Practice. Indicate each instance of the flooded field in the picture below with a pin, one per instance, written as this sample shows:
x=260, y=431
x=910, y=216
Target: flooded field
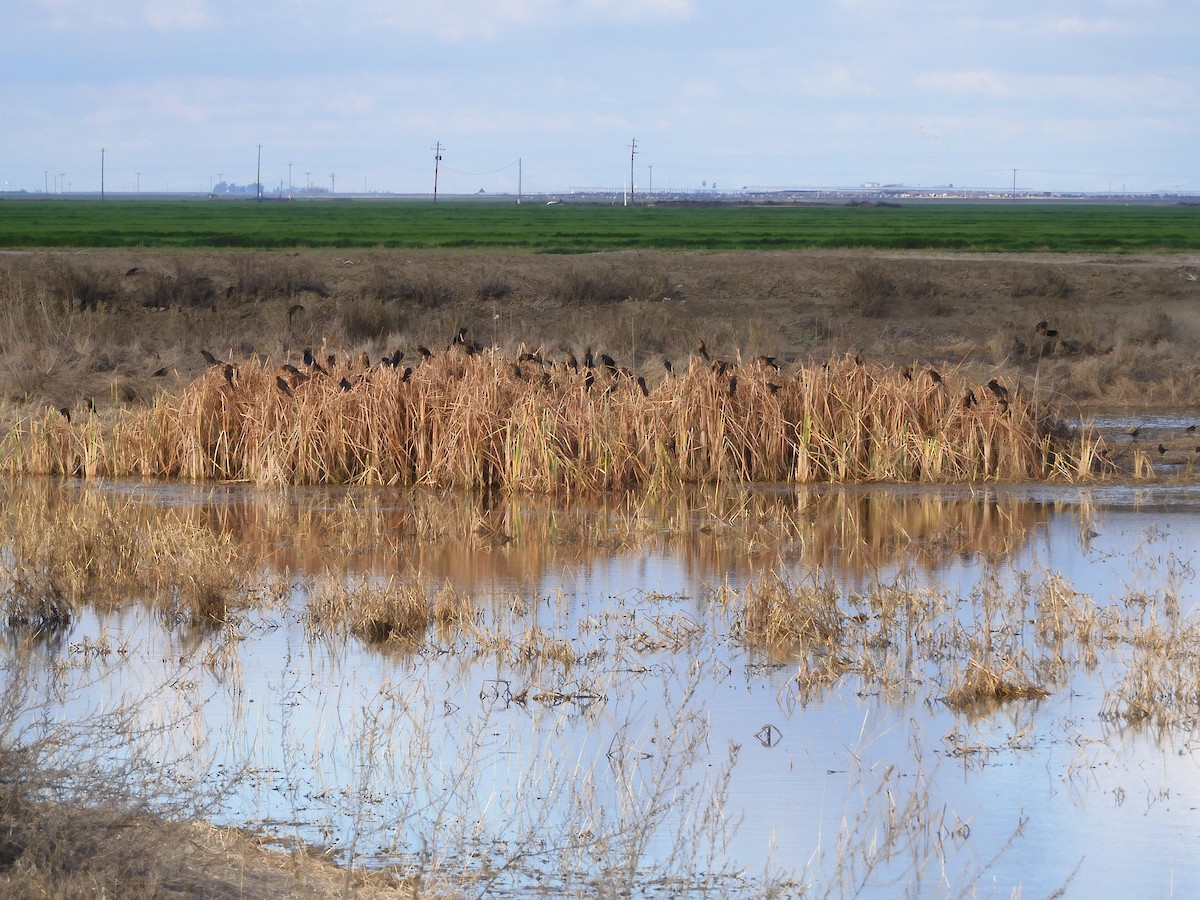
x=877, y=690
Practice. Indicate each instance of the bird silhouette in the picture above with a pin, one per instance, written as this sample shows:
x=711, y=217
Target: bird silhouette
x=999, y=391
x=209, y=358
x=230, y=372
x=281, y=383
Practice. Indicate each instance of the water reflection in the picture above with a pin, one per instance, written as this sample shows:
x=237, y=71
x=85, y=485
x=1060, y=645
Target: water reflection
x=480, y=541
x=599, y=714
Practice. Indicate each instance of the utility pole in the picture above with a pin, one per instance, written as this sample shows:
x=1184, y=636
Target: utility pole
x=650, y=190
x=308, y=184
x=437, y=159
x=101, y=173
x=332, y=183
x=289, y=181
x=139, y=186
x=632, y=153
x=518, y=181
x=258, y=176
x=1014, y=190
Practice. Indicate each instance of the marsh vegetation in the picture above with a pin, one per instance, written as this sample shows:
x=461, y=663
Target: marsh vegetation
x=788, y=616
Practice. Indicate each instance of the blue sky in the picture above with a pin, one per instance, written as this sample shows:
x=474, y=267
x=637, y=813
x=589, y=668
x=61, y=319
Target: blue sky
x=1093, y=96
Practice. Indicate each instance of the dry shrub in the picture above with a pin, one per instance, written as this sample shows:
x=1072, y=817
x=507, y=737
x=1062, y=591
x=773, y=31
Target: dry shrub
x=1046, y=282
x=580, y=286
x=261, y=276
x=427, y=291
x=870, y=291
x=366, y=319
x=80, y=287
x=494, y=289
x=1154, y=327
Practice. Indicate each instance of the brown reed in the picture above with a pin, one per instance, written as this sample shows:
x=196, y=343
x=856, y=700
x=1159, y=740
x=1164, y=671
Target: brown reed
x=484, y=420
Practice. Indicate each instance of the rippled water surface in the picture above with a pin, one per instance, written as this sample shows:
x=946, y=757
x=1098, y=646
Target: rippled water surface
x=606, y=714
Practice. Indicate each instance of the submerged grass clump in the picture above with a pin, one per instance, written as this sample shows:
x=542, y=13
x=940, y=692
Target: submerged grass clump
x=485, y=420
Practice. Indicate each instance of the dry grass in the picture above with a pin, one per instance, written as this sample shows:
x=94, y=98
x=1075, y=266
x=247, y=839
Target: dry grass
x=487, y=420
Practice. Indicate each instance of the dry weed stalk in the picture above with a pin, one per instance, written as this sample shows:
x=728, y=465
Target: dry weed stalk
x=484, y=420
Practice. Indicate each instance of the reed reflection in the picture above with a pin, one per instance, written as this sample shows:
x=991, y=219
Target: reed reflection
x=482, y=543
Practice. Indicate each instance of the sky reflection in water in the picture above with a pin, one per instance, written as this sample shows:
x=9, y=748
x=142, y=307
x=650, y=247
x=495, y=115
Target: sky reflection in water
x=364, y=749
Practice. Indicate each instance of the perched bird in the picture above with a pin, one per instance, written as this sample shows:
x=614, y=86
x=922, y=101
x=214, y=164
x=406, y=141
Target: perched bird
x=1191, y=429
x=66, y=413
x=732, y=385
x=281, y=383
x=1133, y=431
x=609, y=363
x=309, y=359
x=292, y=370
x=906, y=373
x=159, y=373
x=668, y=368
x=767, y=362
x=934, y=375
x=407, y=374
x=209, y=358
x=860, y=358
x=999, y=391
x=968, y=399
x=589, y=361
x=346, y=384
x=641, y=383
x=129, y=273
x=572, y=363
x=1161, y=449
x=365, y=360
x=230, y=372
x=423, y=352
x=702, y=351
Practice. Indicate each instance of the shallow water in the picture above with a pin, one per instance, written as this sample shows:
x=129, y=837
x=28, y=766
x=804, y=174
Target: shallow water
x=616, y=727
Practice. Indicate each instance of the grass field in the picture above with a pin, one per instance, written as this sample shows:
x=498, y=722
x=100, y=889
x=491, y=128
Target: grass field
x=1022, y=227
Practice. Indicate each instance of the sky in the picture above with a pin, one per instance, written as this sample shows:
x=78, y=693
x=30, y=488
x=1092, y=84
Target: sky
x=549, y=95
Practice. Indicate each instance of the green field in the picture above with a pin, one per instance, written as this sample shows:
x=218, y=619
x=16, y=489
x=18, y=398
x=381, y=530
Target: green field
x=996, y=226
